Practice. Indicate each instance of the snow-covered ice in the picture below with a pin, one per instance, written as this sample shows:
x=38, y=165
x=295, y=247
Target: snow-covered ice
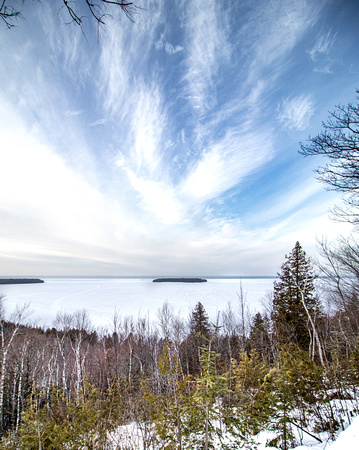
x=130, y=297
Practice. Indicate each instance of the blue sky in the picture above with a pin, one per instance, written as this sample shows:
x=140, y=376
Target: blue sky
x=169, y=146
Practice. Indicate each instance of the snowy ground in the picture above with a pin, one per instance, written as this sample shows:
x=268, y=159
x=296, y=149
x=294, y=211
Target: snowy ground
x=346, y=440
x=131, y=437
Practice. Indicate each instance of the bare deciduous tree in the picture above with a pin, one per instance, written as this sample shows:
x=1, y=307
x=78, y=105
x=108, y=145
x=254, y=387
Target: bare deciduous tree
x=315, y=335
x=339, y=143
x=339, y=266
x=8, y=331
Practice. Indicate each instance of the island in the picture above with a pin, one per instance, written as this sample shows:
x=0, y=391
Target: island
x=180, y=280
x=20, y=280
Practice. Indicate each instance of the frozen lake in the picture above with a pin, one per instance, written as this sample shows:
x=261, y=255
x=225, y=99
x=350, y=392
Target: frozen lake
x=129, y=296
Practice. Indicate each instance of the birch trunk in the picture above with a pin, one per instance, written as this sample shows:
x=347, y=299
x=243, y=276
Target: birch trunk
x=5, y=347
x=311, y=321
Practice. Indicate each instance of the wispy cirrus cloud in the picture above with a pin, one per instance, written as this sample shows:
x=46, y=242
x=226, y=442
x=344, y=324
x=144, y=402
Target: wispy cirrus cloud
x=271, y=32
x=122, y=59
x=207, y=48
x=169, y=48
x=159, y=199
x=323, y=45
x=321, y=51
x=148, y=123
x=225, y=164
x=296, y=112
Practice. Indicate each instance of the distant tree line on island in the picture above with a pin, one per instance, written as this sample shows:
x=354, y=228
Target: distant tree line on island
x=180, y=280
x=20, y=280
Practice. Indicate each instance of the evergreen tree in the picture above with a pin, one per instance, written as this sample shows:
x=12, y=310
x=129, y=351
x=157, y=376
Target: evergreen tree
x=83, y=422
x=213, y=423
x=199, y=324
x=168, y=408
x=200, y=333
x=253, y=393
x=298, y=398
x=205, y=413
x=259, y=336
x=295, y=307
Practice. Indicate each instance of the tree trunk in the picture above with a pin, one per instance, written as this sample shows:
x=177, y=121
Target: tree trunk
x=5, y=349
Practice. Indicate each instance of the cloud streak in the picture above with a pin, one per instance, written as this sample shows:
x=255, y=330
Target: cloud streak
x=296, y=112
x=208, y=49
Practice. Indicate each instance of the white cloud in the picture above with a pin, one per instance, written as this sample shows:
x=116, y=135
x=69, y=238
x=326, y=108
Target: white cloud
x=225, y=164
x=122, y=58
x=282, y=204
x=271, y=31
x=296, y=112
x=148, y=122
x=50, y=211
x=171, y=50
x=115, y=71
x=322, y=46
x=98, y=122
x=41, y=187
x=159, y=199
x=207, y=48
x=74, y=113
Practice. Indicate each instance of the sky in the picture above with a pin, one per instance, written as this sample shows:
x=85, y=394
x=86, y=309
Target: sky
x=168, y=145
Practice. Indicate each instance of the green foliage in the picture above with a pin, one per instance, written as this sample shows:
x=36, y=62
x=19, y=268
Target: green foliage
x=168, y=408
x=80, y=423
x=191, y=412
x=253, y=391
x=259, y=336
x=208, y=387
x=200, y=332
x=199, y=324
x=303, y=377
x=289, y=316
x=298, y=388
x=353, y=371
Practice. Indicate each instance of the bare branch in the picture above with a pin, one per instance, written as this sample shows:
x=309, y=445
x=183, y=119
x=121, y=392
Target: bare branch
x=339, y=142
x=9, y=14
x=98, y=10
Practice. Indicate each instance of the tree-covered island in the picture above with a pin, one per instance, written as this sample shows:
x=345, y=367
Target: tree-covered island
x=20, y=280
x=180, y=280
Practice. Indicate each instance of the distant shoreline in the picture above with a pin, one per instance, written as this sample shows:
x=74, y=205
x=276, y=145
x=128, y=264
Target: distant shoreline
x=138, y=277
x=180, y=280
x=20, y=280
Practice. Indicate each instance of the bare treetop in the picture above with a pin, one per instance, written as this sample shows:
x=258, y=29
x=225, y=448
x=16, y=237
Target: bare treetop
x=99, y=10
x=339, y=142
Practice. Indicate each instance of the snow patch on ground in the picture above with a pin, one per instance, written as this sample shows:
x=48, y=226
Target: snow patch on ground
x=131, y=437
x=348, y=439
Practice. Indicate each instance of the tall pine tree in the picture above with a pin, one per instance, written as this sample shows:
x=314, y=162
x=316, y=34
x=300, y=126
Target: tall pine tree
x=295, y=307
x=200, y=333
x=199, y=322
